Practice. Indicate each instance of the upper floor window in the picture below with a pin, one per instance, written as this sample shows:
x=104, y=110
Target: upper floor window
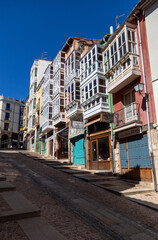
x=7, y=106
x=91, y=61
x=34, y=103
x=35, y=72
x=35, y=86
x=6, y=126
x=7, y=116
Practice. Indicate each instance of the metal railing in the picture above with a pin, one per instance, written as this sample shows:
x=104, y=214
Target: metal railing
x=129, y=113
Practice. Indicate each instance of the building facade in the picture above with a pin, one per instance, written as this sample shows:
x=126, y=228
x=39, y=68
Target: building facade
x=11, y=122
x=95, y=101
x=127, y=67
x=37, y=71
x=75, y=49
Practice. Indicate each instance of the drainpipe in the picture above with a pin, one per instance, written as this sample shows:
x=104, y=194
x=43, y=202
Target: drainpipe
x=147, y=107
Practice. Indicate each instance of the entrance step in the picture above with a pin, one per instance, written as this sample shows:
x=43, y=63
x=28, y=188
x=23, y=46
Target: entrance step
x=121, y=188
x=6, y=186
x=92, y=177
x=2, y=178
x=74, y=171
x=61, y=166
x=103, y=173
x=21, y=207
x=37, y=229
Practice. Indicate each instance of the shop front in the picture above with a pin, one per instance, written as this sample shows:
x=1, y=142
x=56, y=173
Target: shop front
x=62, y=140
x=134, y=155
x=99, y=155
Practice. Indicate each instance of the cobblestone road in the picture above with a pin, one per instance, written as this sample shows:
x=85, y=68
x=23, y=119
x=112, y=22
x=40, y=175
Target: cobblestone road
x=78, y=210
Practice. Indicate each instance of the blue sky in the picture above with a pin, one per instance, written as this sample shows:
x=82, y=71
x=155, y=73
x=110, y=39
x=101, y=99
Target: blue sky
x=31, y=27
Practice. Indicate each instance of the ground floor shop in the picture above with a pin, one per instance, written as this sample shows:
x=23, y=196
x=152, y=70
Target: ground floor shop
x=62, y=144
x=99, y=154
x=134, y=155
x=78, y=150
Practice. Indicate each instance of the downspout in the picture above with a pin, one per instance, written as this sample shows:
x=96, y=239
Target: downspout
x=147, y=107
x=112, y=139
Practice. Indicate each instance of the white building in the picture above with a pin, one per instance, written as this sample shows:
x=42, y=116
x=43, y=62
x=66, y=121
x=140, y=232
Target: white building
x=11, y=122
x=37, y=72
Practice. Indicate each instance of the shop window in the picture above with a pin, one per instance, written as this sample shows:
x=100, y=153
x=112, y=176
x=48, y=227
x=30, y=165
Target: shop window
x=94, y=151
x=103, y=149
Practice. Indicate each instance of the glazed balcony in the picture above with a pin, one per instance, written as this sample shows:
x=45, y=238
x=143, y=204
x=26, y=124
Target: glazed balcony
x=123, y=73
x=91, y=63
x=96, y=104
x=47, y=126
x=59, y=119
x=73, y=109
x=72, y=67
x=127, y=117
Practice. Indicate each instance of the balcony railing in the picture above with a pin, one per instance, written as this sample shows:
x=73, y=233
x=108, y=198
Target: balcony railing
x=8, y=109
x=127, y=115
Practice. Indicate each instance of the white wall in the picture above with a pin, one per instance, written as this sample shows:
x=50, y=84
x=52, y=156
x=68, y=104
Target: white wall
x=151, y=18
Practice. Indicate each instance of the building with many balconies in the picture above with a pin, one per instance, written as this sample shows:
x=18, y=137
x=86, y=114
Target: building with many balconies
x=126, y=67
x=96, y=104
x=11, y=122
x=75, y=49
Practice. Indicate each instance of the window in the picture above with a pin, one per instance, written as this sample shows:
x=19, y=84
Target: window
x=35, y=86
x=34, y=103
x=35, y=72
x=7, y=106
x=7, y=116
x=6, y=126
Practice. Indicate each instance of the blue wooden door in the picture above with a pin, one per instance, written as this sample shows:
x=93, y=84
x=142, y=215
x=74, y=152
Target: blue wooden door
x=138, y=153
x=123, y=155
x=78, y=151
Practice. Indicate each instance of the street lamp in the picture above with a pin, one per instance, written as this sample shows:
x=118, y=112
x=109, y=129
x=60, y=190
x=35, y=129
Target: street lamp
x=139, y=87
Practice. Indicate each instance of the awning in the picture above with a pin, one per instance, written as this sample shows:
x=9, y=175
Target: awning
x=92, y=122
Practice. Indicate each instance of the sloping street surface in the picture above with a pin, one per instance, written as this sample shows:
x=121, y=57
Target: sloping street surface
x=41, y=201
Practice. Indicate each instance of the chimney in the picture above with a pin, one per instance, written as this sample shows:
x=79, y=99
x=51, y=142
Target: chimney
x=111, y=30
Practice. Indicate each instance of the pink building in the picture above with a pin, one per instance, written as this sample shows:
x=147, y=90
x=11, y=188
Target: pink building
x=127, y=68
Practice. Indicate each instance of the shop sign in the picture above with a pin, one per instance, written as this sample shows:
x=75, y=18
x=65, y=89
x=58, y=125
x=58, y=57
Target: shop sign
x=77, y=124
x=130, y=132
x=107, y=117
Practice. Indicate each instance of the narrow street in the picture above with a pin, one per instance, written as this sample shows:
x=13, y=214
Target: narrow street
x=76, y=209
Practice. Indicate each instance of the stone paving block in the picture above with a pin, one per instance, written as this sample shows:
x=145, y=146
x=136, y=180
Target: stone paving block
x=125, y=229
x=17, y=214
x=142, y=236
x=17, y=201
x=38, y=229
x=6, y=186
